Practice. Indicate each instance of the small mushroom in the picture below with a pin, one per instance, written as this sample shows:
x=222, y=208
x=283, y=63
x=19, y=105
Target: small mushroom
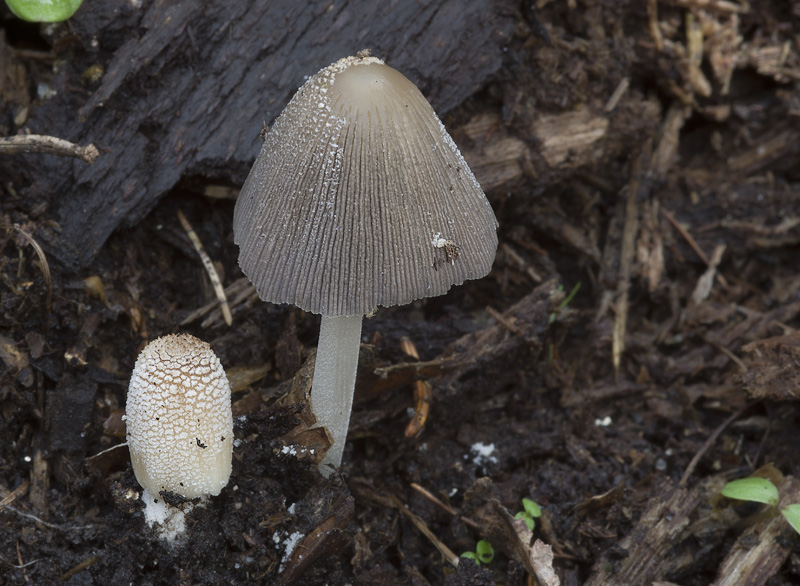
x=179, y=422
x=358, y=199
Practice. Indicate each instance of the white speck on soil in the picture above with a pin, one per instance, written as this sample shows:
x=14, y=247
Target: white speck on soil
x=482, y=454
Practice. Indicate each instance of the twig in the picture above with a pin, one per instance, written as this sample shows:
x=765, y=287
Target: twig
x=739, y=362
x=219, y=290
x=45, y=523
x=422, y=527
x=88, y=562
x=16, y=567
x=627, y=252
x=17, y=492
x=709, y=442
x=761, y=446
x=501, y=319
x=434, y=499
x=32, y=517
x=652, y=24
x=45, y=271
x=523, y=264
x=691, y=241
x=47, y=145
x=389, y=500
x=238, y=292
x=686, y=236
x=617, y=95
x=22, y=564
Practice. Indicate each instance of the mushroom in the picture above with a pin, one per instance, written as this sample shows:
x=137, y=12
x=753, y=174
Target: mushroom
x=179, y=422
x=358, y=199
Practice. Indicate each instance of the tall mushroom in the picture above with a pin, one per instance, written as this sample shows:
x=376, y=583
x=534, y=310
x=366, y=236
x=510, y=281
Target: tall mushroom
x=358, y=199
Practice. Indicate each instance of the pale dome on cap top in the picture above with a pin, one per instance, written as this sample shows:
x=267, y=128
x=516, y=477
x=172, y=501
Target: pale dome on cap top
x=360, y=198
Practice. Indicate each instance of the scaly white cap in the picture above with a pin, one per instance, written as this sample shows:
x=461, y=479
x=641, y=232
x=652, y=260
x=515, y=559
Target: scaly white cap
x=179, y=420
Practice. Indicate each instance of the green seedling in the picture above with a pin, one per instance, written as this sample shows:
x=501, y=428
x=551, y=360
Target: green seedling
x=761, y=490
x=530, y=511
x=552, y=317
x=563, y=305
x=484, y=553
x=792, y=514
x=754, y=490
x=44, y=10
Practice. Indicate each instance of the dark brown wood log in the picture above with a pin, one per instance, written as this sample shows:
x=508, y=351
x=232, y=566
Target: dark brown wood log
x=187, y=87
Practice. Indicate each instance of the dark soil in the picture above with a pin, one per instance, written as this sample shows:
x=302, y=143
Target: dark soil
x=646, y=151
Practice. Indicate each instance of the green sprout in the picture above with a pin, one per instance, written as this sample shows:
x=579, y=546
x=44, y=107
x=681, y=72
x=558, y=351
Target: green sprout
x=552, y=317
x=563, y=305
x=530, y=511
x=484, y=553
x=792, y=514
x=754, y=490
x=761, y=490
x=44, y=10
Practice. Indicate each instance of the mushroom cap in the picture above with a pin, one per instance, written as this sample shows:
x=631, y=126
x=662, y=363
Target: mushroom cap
x=179, y=420
x=360, y=198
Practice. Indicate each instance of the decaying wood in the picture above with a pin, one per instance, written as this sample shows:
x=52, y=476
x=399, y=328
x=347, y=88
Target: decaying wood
x=569, y=134
x=760, y=551
x=495, y=157
x=332, y=533
x=773, y=368
x=535, y=555
x=188, y=92
x=663, y=542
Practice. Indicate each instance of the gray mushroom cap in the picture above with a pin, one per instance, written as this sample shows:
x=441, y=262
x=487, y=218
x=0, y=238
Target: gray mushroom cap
x=360, y=198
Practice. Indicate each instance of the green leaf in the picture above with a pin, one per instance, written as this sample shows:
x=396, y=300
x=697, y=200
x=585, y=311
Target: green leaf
x=44, y=10
x=756, y=490
x=485, y=551
x=792, y=514
x=532, y=508
x=472, y=556
x=527, y=518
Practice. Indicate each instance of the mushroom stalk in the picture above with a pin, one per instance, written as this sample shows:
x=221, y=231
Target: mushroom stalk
x=335, y=380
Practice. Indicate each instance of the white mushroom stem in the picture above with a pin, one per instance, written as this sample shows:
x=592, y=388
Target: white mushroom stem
x=335, y=381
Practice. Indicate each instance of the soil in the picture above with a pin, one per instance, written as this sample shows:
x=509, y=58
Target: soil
x=634, y=347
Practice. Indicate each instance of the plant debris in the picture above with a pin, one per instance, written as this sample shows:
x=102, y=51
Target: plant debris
x=642, y=156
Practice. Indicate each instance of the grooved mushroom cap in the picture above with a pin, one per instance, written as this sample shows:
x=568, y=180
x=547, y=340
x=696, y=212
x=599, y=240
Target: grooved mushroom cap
x=179, y=421
x=360, y=198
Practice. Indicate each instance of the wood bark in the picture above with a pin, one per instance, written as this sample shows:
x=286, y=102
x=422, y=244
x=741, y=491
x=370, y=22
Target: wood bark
x=186, y=88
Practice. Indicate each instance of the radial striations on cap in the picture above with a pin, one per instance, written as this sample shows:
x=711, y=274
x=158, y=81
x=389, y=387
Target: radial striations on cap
x=360, y=198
